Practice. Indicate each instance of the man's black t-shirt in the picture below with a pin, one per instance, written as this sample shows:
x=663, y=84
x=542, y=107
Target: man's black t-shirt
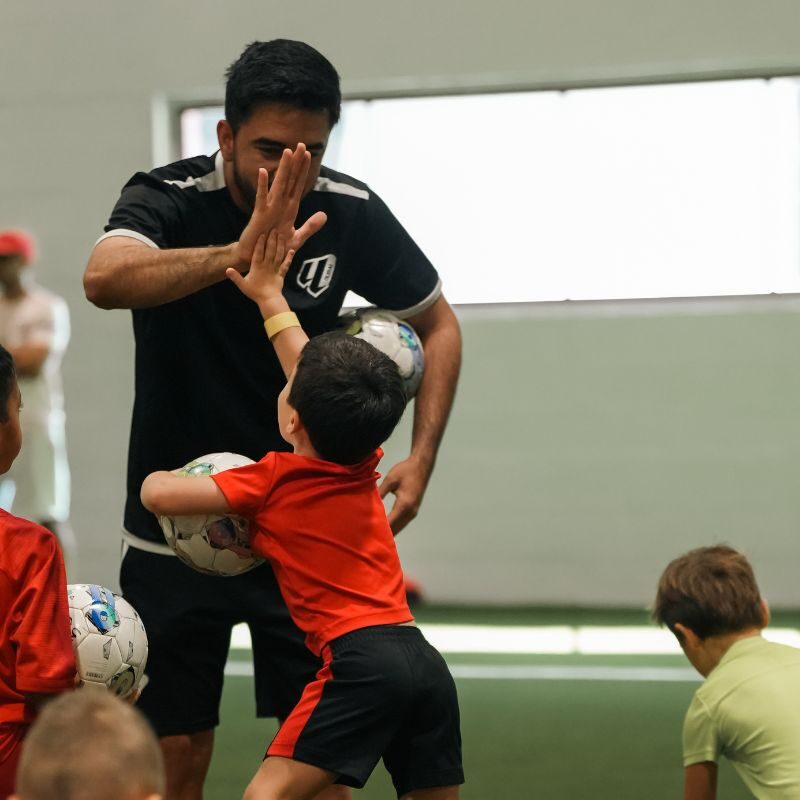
x=207, y=378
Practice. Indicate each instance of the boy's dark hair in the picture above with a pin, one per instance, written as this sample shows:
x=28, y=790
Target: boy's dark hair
x=710, y=590
x=281, y=71
x=349, y=396
x=8, y=377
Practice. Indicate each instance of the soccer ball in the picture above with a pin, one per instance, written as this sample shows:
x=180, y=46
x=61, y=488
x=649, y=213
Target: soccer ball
x=392, y=336
x=108, y=638
x=210, y=543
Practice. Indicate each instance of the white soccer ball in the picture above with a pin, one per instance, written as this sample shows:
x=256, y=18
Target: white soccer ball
x=108, y=637
x=394, y=337
x=210, y=543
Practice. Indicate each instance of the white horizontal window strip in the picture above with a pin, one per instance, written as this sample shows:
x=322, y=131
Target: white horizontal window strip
x=550, y=639
x=650, y=191
x=654, y=191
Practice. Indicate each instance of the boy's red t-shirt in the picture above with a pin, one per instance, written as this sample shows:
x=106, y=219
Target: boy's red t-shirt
x=36, y=655
x=324, y=529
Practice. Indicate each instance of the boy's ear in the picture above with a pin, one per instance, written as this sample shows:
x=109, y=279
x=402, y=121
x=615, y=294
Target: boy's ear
x=294, y=424
x=686, y=636
x=765, y=615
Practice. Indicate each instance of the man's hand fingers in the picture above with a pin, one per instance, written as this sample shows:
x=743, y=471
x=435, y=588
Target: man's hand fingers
x=400, y=515
x=262, y=188
x=313, y=224
x=387, y=486
x=300, y=164
x=282, y=175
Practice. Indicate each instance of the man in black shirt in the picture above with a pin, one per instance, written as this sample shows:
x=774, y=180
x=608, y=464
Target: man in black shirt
x=207, y=380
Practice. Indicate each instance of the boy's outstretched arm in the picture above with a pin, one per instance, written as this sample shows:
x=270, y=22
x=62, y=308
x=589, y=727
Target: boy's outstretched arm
x=700, y=781
x=263, y=284
x=168, y=493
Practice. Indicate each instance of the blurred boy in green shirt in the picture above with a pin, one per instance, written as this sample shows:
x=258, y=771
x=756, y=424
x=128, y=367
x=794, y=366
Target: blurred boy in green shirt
x=748, y=708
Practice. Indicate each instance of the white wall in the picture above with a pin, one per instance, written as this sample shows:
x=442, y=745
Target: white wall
x=77, y=81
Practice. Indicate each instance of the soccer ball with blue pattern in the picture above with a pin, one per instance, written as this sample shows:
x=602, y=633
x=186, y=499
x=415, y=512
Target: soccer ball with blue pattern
x=108, y=637
x=212, y=543
x=391, y=335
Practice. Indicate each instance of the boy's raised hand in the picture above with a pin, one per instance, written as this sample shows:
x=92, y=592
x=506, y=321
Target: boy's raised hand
x=276, y=205
x=263, y=284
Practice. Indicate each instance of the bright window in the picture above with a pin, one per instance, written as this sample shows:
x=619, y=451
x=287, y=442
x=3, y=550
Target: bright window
x=655, y=191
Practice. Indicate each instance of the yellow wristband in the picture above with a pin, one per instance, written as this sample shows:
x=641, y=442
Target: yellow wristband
x=279, y=322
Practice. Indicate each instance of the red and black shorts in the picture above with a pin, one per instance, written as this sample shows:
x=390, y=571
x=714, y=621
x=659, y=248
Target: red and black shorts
x=384, y=692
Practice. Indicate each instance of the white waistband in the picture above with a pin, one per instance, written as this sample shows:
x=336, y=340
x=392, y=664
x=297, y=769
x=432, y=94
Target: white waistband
x=143, y=544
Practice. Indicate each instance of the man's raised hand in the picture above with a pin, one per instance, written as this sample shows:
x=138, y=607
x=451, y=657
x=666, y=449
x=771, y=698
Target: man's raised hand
x=276, y=206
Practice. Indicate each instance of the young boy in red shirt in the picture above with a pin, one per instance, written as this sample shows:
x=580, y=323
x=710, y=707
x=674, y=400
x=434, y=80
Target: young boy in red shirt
x=316, y=514
x=36, y=656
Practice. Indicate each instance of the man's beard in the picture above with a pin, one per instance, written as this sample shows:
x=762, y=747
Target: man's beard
x=246, y=189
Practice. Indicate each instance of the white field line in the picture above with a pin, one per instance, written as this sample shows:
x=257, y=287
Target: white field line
x=550, y=639
x=552, y=672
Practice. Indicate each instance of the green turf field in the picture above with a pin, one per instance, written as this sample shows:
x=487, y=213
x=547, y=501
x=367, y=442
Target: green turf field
x=526, y=737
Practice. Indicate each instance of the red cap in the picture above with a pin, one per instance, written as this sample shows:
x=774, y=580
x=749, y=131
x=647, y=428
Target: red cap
x=17, y=243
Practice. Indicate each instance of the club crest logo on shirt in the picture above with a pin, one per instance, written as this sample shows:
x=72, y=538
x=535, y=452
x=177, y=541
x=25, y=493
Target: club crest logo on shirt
x=316, y=274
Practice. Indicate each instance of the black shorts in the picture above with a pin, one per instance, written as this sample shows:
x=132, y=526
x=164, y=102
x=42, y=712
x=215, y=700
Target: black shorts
x=382, y=692
x=188, y=617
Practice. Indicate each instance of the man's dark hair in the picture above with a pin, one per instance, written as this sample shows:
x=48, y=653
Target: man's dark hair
x=285, y=72
x=711, y=591
x=349, y=395
x=8, y=377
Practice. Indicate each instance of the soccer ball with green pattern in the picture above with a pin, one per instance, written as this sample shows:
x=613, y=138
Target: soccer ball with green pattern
x=391, y=335
x=211, y=543
x=108, y=637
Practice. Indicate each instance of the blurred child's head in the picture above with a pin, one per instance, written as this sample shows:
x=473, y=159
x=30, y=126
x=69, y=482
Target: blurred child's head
x=10, y=404
x=348, y=395
x=88, y=744
x=711, y=591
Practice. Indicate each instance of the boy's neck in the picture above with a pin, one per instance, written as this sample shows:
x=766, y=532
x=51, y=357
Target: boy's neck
x=308, y=451
x=301, y=445
x=711, y=650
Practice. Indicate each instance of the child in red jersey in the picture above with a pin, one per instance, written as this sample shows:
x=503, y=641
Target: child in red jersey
x=36, y=656
x=316, y=514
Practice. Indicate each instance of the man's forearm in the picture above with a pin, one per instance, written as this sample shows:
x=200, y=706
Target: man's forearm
x=124, y=273
x=442, y=348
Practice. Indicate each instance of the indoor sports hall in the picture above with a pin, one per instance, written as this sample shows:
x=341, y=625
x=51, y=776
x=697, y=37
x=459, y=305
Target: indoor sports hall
x=610, y=193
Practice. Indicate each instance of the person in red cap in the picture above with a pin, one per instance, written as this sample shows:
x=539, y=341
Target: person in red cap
x=34, y=327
